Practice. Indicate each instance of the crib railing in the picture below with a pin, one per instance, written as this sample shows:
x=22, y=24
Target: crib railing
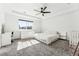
x=73, y=37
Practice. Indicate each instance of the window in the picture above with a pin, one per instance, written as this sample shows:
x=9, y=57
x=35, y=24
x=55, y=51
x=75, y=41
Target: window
x=25, y=24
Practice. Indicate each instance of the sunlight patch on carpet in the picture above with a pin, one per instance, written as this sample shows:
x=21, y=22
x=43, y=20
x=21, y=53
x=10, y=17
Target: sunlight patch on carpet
x=25, y=44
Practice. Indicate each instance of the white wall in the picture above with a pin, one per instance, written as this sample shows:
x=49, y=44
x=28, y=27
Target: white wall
x=2, y=20
x=1, y=15
x=0, y=28
x=11, y=19
x=62, y=23
x=11, y=22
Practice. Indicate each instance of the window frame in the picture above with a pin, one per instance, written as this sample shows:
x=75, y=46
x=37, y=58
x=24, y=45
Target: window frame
x=27, y=22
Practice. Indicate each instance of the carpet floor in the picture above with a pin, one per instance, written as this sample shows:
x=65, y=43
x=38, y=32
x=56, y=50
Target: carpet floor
x=58, y=48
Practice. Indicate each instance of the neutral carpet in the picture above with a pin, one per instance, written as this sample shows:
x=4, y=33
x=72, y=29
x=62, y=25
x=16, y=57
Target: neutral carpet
x=58, y=48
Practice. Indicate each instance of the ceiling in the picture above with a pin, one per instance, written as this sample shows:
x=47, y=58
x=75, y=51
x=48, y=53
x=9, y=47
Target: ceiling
x=28, y=8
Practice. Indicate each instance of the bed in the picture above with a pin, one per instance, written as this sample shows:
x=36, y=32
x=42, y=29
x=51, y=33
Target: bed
x=47, y=38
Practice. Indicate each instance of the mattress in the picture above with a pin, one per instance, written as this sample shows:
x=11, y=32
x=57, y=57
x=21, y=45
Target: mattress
x=46, y=38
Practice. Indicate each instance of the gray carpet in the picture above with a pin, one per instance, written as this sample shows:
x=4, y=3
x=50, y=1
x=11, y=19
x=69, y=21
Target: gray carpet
x=58, y=48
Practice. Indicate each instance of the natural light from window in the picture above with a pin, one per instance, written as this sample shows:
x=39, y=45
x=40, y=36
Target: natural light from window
x=22, y=24
x=26, y=44
x=25, y=24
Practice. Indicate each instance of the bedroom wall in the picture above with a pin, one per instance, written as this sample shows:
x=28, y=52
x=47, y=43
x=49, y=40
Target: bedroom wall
x=11, y=22
x=1, y=17
x=0, y=28
x=11, y=18
x=62, y=23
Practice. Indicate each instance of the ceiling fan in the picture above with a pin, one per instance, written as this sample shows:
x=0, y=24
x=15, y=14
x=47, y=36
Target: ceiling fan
x=42, y=11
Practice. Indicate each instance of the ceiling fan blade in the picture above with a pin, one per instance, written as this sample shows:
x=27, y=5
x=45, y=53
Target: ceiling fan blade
x=44, y=8
x=38, y=13
x=37, y=10
x=47, y=12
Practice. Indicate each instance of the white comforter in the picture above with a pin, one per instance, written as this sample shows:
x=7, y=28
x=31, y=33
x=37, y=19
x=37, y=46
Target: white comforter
x=46, y=37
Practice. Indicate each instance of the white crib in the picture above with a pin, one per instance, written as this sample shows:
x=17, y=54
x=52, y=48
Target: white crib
x=73, y=37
